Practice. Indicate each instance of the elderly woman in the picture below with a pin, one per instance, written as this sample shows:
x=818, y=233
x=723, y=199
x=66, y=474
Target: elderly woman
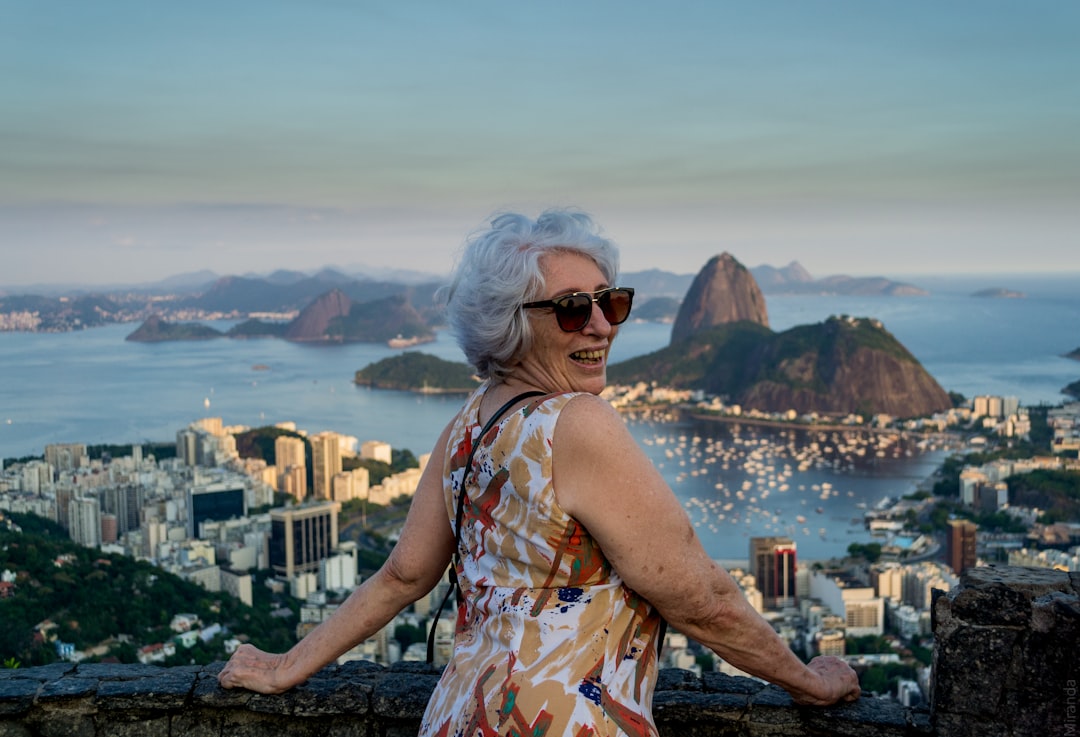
x=569, y=545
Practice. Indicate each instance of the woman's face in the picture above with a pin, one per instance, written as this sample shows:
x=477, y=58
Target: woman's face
x=562, y=361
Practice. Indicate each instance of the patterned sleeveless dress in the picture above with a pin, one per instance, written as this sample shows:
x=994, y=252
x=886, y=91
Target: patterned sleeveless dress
x=549, y=640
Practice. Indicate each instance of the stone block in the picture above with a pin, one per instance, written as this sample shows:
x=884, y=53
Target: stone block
x=723, y=683
x=677, y=679
x=11, y=728
x=168, y=689
x=403, y=695
x=67, y=688
x=157, y=726
x=864, y=717
x=17, y=695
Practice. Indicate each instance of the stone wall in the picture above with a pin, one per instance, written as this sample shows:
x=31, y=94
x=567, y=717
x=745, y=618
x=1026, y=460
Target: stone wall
x=373, y=701
x=1006, y=654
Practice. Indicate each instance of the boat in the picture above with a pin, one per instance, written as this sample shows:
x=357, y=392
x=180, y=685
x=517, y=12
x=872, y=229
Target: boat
x=402, y=342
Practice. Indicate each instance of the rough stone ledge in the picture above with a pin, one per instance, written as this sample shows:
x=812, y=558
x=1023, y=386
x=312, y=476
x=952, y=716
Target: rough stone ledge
x=375, y=701
x=1005, y=645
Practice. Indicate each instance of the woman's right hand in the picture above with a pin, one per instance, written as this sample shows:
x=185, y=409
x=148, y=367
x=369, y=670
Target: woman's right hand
x=836, y=682
x=255, y=670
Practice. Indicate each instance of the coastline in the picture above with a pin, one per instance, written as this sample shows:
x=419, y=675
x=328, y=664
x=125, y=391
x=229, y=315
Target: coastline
x=942, y=436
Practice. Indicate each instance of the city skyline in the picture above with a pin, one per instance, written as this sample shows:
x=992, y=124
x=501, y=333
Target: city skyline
x=141, y=143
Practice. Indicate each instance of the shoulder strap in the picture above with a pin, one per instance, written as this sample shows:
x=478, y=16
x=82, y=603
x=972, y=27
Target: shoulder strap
x=460, y=512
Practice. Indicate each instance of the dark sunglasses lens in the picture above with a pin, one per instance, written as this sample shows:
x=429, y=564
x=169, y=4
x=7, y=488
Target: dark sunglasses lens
x=573, y=312
x=615, y=305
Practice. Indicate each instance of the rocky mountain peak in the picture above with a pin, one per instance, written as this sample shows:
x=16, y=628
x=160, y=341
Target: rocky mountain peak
x=313, y=320
x=724, y=291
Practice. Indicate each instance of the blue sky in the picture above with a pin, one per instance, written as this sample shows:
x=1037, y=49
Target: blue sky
x=140, y=140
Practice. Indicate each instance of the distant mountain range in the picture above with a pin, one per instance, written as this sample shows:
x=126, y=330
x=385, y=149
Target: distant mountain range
x=790, y=279
x=331, y=318
x=282, y=295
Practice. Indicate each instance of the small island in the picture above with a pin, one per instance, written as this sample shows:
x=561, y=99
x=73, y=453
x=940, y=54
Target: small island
x=999, y=293
x=418, y=372
x=157, y=330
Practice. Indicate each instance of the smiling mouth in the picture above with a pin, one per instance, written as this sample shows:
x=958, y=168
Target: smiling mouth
x=592, y=357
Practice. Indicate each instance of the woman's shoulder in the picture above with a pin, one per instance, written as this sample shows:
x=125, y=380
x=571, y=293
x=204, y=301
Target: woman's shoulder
x=582, y=412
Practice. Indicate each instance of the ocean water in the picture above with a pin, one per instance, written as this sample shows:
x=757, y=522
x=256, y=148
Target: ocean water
x=94, y=387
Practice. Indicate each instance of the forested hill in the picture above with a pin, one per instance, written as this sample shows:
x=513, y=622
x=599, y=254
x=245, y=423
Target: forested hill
x=843, y=365
x=416, y=371
x=92, y=598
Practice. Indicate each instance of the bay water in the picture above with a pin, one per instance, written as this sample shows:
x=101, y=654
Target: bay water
x=94, y=387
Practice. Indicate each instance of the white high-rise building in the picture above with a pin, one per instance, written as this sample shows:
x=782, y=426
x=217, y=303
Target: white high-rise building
x=288, y=453
x=325, y=463
x=376, y=450
x=84, y=521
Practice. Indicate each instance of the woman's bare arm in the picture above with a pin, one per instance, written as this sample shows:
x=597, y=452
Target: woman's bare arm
x=415, y=565
x=604, y=480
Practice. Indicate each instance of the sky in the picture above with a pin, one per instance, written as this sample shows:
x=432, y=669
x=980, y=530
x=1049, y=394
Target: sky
x=142, y=140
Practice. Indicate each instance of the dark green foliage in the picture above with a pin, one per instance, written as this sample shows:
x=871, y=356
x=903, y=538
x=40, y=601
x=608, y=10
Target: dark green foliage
x=1041, y=433
x=156, y=330
x=415, y=370
x=257, y=329
x=807, y=368
x=870, y=551
x=24, y=459
x=922, y=654
x=868, y=644
x=407, y=634
x=400, y=460
x=714, y=360
x=881, y=679
x=259, y=443
x=1056, y=492
x=380, y=320
x=91, y=596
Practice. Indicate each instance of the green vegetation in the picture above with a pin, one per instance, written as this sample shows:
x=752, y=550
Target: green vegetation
x=413, y=370
x=880, y=679
x=400, y=460
x=156, y=330
x=867, y=644
x=1056, y=492
x=714, y=360
x=861, y=332
x=93, y=598
x=259, y=443
x=869, y=552
x=258, y=329
x=380, y=320
x=407, y=634
x=801, y=368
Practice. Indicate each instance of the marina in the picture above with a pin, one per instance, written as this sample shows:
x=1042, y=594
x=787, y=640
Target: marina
x=743, y=480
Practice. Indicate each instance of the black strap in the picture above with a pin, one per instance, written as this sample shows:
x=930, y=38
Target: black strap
x=460, y=512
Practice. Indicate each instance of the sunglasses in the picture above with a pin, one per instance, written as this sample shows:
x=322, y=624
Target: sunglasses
x=573, y=311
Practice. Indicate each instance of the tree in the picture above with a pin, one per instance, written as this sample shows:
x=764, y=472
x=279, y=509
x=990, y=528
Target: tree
x=407, y=634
